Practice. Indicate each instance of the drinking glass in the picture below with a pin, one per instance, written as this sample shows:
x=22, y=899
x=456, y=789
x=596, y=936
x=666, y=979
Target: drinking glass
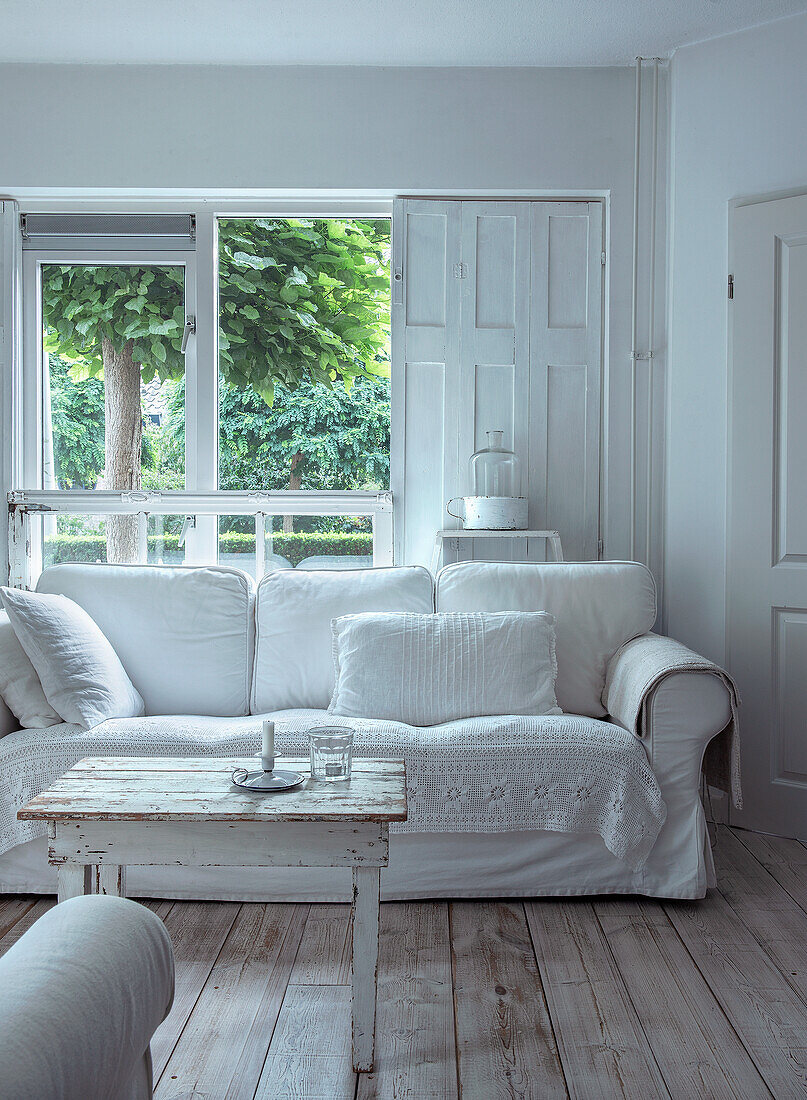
x=331, y=753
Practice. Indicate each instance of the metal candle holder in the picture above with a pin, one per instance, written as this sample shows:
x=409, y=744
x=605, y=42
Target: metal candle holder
x=267, y=779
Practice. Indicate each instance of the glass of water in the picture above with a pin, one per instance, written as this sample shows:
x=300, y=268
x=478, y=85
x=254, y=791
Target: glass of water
x=331, y=753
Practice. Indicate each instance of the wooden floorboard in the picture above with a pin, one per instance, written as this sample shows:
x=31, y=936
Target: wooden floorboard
x=598, y=998
x=784, y=860
x=505, y=1043
x=197, y=930
x=415, y=1043
x=228, y=1032
x=603, y=1048
x=695, y=1045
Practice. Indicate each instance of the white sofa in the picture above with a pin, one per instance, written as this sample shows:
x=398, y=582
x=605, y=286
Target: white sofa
x=212, y=655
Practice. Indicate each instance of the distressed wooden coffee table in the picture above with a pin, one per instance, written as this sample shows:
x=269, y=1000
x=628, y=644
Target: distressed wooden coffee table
x=107, y=813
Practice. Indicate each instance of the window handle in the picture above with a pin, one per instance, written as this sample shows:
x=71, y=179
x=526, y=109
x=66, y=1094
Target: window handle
x=189, y=522
x=190, y=329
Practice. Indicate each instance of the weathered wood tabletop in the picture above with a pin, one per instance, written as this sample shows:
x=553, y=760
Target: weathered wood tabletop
x=132, y=788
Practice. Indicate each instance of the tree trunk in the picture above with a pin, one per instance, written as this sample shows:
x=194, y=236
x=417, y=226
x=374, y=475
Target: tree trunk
x=294, y=484
x=122, y=438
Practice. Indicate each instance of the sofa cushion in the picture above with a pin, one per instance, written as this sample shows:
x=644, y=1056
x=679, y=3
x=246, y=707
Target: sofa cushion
x=183, y=633
x=293, y=612
x=598, y=606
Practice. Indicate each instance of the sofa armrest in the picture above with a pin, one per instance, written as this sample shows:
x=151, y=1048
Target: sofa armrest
x=83, y=992
x=672, y=698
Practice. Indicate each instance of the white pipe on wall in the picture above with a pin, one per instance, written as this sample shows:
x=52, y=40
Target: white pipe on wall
x=636, y=354
x=651, y=315
x=634, y=325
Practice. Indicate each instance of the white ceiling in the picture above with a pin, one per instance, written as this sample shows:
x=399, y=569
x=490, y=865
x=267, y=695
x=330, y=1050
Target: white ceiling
x=369, y=32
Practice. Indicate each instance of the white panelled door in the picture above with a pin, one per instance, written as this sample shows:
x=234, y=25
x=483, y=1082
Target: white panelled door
x=767, y=533
x=497, y=324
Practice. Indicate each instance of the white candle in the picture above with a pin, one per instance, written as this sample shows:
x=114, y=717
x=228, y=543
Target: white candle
x=268, y=746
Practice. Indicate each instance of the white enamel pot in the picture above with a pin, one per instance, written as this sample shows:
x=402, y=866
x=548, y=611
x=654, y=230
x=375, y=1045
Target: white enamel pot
x=490, y=513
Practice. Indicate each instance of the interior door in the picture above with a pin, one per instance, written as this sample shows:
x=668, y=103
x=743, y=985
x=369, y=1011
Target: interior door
x=767, y=560
x=496, y=324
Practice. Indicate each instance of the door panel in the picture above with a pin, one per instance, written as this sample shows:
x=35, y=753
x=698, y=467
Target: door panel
x=425, y=368
x=767, y=557
x=565, y=342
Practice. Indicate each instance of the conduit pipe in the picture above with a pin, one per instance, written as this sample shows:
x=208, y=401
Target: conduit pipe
x=635, y=354
x=634, y=308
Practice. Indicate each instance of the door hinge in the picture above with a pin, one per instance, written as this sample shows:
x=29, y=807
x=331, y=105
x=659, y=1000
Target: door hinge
x=460, y=270
x=600, y=549
x=731, y=287
x=602, y=258
x=24, y=226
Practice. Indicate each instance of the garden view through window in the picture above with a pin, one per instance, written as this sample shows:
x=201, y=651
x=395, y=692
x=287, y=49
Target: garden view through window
x=303, y=388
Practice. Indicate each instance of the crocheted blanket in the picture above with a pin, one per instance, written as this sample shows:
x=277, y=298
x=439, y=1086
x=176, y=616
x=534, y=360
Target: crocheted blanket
x=561, y=773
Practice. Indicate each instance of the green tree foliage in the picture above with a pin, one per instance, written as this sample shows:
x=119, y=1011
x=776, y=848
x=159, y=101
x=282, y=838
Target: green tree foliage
x=300, y=300
x=77, y=420
x=322, y=438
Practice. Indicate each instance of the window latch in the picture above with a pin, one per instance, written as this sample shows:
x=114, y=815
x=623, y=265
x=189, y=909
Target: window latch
x=187, y=332
x=188, y=523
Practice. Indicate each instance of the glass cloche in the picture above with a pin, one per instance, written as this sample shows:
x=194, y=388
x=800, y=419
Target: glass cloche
x=495, y=471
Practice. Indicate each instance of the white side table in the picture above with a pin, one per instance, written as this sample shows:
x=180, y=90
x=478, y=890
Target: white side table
x=552, y=540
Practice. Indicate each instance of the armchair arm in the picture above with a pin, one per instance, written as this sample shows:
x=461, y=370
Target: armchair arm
x=83, y=992
x=677, y=701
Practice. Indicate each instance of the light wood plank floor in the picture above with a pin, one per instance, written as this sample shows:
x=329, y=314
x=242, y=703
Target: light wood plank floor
x=480, y=1000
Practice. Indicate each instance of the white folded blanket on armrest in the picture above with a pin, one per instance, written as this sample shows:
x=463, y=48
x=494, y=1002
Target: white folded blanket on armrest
x=637, y=670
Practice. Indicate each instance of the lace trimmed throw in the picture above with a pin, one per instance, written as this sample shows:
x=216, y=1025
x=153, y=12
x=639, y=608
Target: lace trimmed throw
x=490, y=775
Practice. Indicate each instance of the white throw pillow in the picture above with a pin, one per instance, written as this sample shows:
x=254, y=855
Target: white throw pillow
x=81, y=675
x=19, y=683
x=427, y=669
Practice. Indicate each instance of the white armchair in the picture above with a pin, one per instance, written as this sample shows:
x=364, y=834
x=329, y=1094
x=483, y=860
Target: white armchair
x=83, y=991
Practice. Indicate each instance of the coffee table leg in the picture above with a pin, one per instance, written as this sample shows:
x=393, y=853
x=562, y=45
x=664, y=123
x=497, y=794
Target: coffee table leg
x=366, y=897
x=73, y=880
x=109, y=878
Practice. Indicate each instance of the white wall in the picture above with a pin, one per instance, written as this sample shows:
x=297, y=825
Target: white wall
x=389, y=130
x=738, y=128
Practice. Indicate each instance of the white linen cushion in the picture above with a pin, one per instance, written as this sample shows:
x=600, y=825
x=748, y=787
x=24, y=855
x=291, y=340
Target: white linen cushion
x=598, y=606
x=184, y=633
x=427, y=669
x=293, y=612
x=19, y=684
x=80, y=673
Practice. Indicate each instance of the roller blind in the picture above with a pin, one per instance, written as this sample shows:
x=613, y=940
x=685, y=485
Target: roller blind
x=108, y=231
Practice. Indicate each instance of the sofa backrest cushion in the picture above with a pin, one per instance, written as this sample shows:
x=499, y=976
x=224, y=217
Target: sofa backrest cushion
x=598, y=606
x=293, y=612
x=183, y=633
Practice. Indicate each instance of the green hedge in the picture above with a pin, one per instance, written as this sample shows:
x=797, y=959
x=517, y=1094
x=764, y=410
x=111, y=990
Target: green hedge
x=294, y=547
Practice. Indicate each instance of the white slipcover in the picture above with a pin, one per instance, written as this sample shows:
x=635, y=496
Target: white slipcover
x=598, y=607
x=183, y=634
x=293, y=612
x=83, y=992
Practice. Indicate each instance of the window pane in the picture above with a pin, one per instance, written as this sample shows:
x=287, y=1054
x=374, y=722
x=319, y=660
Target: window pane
x=319, y=542
x=163, y=534
x=237, y=543
x=74, y=539
x=304, y=335
x=114, y=394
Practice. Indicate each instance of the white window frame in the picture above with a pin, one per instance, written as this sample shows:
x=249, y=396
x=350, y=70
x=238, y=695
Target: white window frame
x=201, y=499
